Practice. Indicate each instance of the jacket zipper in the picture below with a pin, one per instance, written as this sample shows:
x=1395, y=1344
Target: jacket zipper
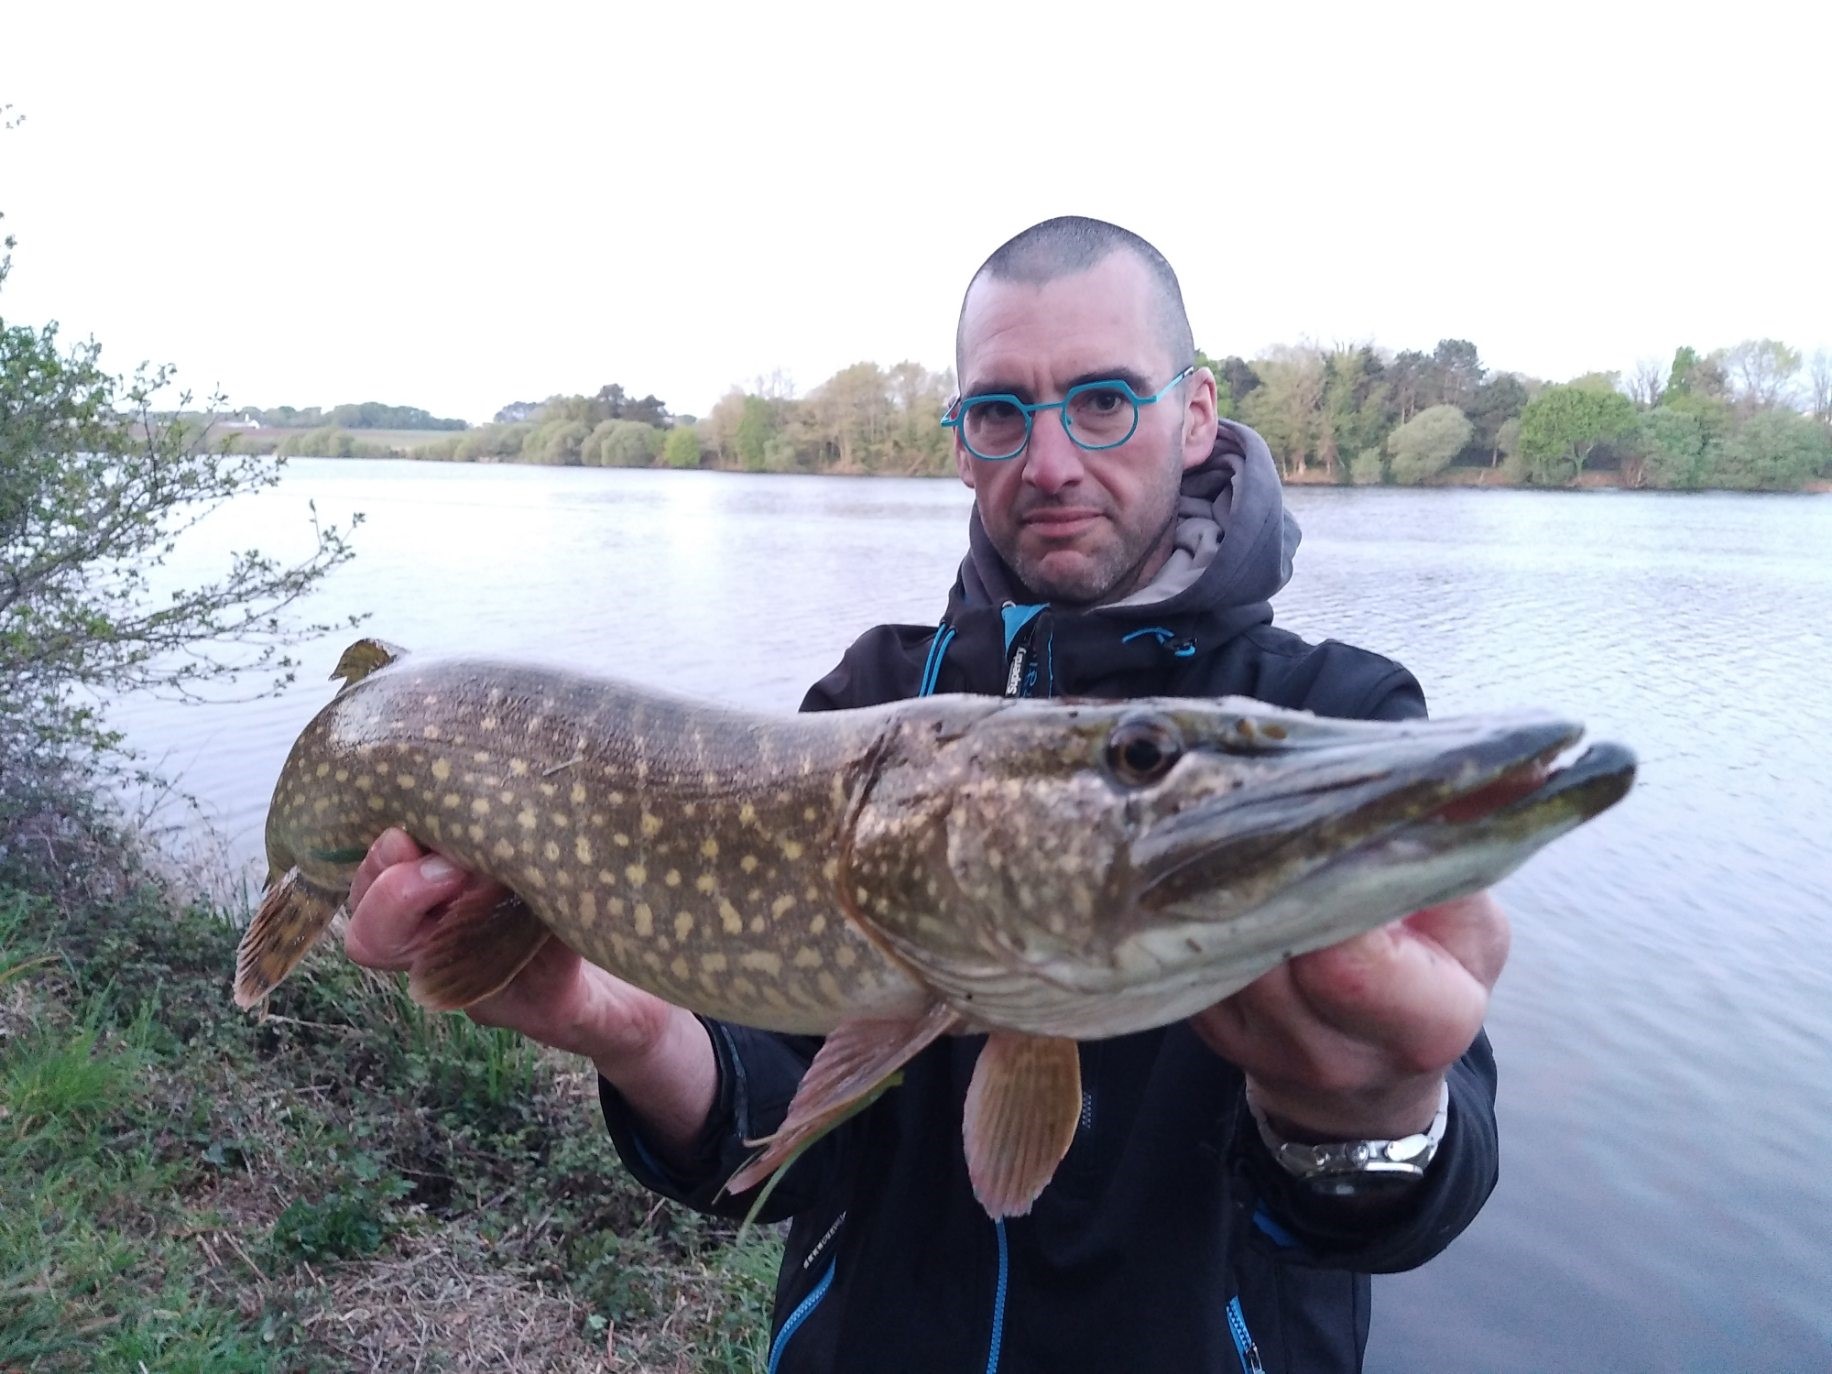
x=803, y=1310
x=994, y=1345
x=1243, y=1339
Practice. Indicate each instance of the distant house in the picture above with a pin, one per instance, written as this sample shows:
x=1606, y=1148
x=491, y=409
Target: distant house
x=238, y=420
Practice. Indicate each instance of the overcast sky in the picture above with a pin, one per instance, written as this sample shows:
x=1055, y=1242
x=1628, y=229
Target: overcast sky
x=314, y=204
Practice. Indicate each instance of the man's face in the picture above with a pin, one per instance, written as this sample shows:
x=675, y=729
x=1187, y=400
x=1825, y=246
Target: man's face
x=1080, y=527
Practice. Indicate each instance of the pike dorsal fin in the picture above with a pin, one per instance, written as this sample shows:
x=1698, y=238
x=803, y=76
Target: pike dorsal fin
x=363, y=658
x=1022, y=1109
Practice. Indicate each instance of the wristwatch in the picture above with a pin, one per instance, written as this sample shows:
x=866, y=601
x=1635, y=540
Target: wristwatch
x=1357, y=1168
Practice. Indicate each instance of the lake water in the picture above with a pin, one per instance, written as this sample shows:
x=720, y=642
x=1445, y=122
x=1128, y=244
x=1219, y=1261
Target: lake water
x=1663, y=1024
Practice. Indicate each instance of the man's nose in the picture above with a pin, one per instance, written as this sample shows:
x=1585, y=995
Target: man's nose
x=1051, y=459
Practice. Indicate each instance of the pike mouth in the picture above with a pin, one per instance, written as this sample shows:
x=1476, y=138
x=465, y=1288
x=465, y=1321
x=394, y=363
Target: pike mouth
x=1504, y=780
x=1588, y=785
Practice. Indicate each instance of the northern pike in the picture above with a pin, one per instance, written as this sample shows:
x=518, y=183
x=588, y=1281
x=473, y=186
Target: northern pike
x=1041, y=871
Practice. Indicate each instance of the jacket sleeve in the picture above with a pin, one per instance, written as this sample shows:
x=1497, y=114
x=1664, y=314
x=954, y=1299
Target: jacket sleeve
x=758, y=1074
x=1306, y=1229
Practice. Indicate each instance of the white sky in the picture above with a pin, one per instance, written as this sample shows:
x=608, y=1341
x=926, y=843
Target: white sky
x=455, y=208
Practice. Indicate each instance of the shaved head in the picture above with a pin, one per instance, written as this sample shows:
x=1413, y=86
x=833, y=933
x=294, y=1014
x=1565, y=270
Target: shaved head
x=1069, y=244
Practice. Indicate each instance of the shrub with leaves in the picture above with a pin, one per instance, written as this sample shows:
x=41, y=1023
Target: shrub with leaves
x=96, y=486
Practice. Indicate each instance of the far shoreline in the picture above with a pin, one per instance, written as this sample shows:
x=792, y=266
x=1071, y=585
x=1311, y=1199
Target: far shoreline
x=1454, y=479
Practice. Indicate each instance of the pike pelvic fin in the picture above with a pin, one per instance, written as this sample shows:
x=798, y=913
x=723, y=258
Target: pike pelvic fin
x=484, y=938
x=363, y=658
x=1022, y=1109
x=292, y=916
x=850, y=1070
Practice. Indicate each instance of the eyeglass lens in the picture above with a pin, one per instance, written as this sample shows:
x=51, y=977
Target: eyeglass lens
x=1096, y=417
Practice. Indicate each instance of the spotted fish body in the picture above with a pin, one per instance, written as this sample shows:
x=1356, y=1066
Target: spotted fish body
x=691, y=849
x=1044, y=871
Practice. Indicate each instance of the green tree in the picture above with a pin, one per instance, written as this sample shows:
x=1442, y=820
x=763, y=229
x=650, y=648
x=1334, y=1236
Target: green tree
x=95, y=489
x=1562, y=426
x=1423, y=446
x=681, y=449
x=756, y=429
x=1409, y=376
x=1497, y=401
x=1507, y=441
x=1286, y=406
x=1691, y=375
x=1455, y=373
x=1675, y=448
x=1773, y=450
x=1352, y=414
x=719, y=430
x=622, y=444
x=557, y=442
x=1368, y=468
x=1235, y=379
x=849, y=413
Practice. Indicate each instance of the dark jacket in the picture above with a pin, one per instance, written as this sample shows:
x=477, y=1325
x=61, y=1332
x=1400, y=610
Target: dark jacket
x=1168, y=1240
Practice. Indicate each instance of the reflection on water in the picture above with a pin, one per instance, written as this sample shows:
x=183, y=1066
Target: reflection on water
x=1663, y=1023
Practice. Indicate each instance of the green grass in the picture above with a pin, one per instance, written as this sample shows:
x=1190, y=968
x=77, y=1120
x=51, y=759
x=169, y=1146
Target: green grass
x=191, y=1188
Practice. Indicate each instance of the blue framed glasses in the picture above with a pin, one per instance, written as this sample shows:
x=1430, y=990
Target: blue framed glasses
x=1095, y=415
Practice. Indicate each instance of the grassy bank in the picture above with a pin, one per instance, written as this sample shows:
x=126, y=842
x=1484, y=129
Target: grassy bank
x=345, y=1183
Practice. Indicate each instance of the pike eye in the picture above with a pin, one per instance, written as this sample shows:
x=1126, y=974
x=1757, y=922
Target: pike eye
x=1142, y=750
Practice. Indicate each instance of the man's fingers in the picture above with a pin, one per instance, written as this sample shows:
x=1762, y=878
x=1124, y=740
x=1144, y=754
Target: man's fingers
x=388, y=924
x=1473, y=930
x=1397, y=988
x=393, y=846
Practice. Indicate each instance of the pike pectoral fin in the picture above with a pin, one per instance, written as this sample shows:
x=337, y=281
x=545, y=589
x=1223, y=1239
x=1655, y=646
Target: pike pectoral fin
x=844, y=1077
x=1022, y=1108
x=484, y=938
x=292, y=916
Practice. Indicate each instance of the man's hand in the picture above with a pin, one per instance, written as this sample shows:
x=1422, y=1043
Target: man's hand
x=657, y=1055
x=1352, y=1042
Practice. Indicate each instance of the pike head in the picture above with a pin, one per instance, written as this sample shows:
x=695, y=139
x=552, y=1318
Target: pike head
x=1089, y=869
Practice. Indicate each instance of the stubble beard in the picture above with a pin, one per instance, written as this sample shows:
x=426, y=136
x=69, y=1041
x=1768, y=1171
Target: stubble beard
x=1115, y=572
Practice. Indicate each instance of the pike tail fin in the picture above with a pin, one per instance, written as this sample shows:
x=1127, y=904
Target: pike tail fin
x=485, y=937
x=292, y=916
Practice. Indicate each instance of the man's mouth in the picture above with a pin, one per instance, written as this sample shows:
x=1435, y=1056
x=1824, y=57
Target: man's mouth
x=1060, y=522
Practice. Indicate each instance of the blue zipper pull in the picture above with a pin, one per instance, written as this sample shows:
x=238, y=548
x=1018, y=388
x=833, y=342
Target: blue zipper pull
x=1243, y=1339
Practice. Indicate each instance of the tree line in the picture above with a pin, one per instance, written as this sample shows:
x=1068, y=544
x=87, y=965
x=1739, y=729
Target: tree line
x=863, y=419
x=362, y=415
x=1756, y=416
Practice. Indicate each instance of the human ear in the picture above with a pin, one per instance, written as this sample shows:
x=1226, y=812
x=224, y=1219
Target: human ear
x=1200, y=418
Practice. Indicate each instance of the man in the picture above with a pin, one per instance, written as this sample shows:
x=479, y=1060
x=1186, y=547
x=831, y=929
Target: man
x=1123, y=542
